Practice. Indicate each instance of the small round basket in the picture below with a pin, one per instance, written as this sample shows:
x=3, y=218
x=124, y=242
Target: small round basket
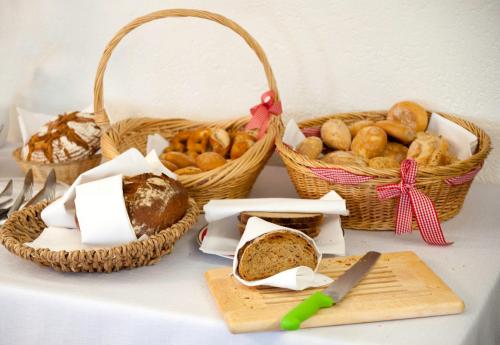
x=26, y=225
x=366, y=211
x=232, y=180
x=66, y=172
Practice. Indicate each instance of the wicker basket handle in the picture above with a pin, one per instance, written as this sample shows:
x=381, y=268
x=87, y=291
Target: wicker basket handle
x=101, y=115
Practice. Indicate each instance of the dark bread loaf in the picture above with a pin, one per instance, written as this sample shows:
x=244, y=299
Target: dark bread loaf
x=274, y=252
x=154, y=202
x=308, y=223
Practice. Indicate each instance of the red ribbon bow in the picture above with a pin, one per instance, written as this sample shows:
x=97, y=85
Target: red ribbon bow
x=413, y=201
x=261, y=113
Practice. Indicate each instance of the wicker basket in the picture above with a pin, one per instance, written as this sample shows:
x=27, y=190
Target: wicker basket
x=367, y=212
x=234, y=179
x=26, y=225
x=66, y=172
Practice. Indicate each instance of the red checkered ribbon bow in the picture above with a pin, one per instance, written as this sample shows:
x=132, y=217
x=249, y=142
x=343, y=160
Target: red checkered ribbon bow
x=311, y=131
x=339, y=176
x=413, y=202
x=261, y=113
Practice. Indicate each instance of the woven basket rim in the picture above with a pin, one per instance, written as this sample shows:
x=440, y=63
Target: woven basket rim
x=455, y=169
x=191, y=213
x=16, y=154
x=141, y=124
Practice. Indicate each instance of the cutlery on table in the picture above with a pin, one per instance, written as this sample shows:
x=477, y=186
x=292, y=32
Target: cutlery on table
x=25, y=194
x=7, y=191
x=331, y=295
x=47, y=192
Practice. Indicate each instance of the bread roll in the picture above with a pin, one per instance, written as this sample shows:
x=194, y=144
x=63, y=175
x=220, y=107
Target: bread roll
x=344, y=158
x=219, y=141
x=311, y=147
x=181, y=160
x=188, y=171
x=210, y=160
x=383, y=163
x=356, y=126
x=396, y=151
x=430, y=150
x=369, y=142
x=410, y=114
x=274, y=252
x=153, y=202
x=336, y=135
x=398, y=131
x=241, y=143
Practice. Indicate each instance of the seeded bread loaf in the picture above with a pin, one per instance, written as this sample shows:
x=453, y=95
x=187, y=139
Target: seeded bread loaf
x=308, y=223
x=275, y=252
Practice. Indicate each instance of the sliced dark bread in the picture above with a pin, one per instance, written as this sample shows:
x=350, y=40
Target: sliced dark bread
x=274, y=252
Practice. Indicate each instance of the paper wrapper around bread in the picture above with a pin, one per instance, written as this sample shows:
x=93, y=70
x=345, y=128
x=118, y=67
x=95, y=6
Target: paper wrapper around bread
x=298, y=278
x=462, y=143
x=222, y=216
x=98, y=196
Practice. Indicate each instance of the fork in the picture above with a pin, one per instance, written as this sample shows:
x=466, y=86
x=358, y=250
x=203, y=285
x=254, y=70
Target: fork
x=47, y=192
x=25, y=193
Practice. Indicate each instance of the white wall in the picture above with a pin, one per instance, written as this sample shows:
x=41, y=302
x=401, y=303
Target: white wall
x=328, y=56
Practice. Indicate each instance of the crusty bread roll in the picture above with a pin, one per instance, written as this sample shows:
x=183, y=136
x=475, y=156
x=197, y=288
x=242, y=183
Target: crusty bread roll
x=396, y=151
x=311, y=147
x=153, y=202
x=355, y=127
x=430, y=150
x=369, y=142
x=344, y=158
x=383, y=163
x=336, y=135
x=410, y=114
x=274, y=252
x=210, y=160
x=179, y=159
x=398, y=131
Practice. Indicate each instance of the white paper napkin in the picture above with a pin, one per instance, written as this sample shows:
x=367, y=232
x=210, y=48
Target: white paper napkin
x=463, y=143
x=102, y=214
x=293, y=136
x=298, y=278
x=31, y=122
x=156, y=142
x=222, y=216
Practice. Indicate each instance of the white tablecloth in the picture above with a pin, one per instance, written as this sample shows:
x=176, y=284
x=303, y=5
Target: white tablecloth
x=169, y=303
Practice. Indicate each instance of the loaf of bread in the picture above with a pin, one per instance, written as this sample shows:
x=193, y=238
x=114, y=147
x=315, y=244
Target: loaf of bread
x=154, y=202
x=275, y=252
x=308, y=223
x=69, y=137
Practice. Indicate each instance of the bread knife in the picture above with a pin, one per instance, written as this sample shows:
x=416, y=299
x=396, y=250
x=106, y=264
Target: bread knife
x=331, y=295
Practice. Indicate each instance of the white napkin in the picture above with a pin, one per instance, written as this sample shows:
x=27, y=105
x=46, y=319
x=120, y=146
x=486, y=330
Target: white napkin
x=99, y=189
x=222, y=216
x=156, y=142
x=463, y=143
x=293, y=136
x=31, y=122
x=102, y=214
x=298, y=278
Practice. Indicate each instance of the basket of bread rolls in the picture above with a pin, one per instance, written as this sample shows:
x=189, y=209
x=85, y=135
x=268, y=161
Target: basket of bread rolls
x=370, y=146
x=214, y=160
x=69, y=144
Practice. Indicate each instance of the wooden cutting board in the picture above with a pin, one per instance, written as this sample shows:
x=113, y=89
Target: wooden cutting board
x=399, y=286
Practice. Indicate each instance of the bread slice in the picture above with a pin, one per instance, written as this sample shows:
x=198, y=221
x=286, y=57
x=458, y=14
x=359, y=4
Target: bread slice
x=282, y=217
x=274, y=252
x=310, y=230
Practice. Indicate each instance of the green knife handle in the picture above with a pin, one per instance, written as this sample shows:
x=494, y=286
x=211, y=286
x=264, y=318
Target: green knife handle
x=307, y=308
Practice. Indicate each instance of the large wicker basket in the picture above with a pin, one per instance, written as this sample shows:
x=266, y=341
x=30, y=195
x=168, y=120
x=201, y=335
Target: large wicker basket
x=367, y=212
x=234, y=179
x=26, y=225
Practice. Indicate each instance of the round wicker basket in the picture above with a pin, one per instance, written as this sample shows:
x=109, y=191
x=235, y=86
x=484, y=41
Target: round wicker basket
x=66, y=172
x=367, y=212
x=234, y=179
x=26, y=225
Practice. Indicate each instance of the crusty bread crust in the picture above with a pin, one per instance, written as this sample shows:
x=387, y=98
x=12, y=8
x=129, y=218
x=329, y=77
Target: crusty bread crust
x=274, y=252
